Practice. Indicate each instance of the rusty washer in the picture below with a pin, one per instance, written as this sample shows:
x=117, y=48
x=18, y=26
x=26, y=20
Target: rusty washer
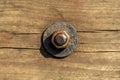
x=60, y=39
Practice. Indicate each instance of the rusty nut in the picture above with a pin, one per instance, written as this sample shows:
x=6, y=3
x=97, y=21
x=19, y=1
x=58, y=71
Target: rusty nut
x=60, y=39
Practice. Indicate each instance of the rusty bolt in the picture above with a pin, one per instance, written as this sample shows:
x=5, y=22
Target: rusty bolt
x=60, y=39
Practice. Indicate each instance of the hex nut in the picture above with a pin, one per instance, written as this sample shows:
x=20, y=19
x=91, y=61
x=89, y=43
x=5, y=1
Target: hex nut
x=60, y=39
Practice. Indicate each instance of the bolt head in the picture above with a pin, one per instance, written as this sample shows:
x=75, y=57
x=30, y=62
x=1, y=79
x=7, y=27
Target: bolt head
x=60, y=39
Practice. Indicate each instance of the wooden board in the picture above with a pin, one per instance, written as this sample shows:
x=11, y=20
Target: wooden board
x=97, y=56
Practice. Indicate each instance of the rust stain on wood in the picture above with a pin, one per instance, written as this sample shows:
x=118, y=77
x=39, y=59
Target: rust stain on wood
x=5, y=37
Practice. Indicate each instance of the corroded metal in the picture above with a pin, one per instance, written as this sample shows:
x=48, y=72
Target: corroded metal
x=52, y=35
x=60, y=39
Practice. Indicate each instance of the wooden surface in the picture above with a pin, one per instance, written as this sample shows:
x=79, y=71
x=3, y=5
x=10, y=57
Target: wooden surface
x=97, y=56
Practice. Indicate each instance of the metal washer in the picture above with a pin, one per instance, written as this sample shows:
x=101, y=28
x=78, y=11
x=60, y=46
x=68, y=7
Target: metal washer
x=47, y=34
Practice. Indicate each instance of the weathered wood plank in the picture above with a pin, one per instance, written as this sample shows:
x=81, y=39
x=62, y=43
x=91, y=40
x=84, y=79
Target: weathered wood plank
x=108, y=41
x=85, y=15
x=97, y=56
x=24, y=64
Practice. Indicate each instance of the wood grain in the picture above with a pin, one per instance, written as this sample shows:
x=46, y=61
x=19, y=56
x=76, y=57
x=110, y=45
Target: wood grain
x=97, y=56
